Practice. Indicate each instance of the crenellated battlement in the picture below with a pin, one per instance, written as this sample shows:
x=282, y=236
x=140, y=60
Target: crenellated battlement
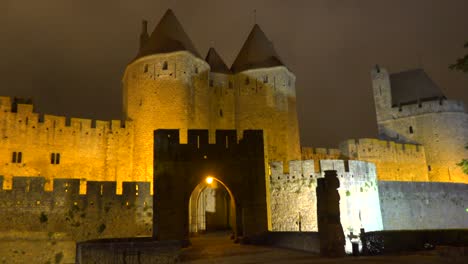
x=198, y=144
x=373, y=146
x=426, y=107
x=301, y=170
x=24, y=114
x=30, y=191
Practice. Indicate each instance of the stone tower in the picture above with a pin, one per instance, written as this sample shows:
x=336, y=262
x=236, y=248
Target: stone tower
x=164, y=87
x=222, y=93
x=411, y=108
x=266, y=97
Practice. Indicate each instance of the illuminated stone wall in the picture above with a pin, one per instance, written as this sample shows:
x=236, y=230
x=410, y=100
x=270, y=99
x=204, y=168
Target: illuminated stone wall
x=100, y=213
x=89, y=149
x=394, y=161
x=164, y=91
x=423, y=205
x=266, y=100
x=293, y=195
x=440, y=126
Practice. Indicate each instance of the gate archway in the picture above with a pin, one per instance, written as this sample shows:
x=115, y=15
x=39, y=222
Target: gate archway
x=180, y=168
x=212, y=207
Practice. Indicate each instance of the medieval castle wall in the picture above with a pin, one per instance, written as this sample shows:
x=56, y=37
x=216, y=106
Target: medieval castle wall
x=293, y=195
x=98, y=213
x=394, y=161
x=60, y=147
x=440, y=125
x=266, y=100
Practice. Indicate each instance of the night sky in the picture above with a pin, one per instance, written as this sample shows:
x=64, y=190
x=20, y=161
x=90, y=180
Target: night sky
x=69, y=55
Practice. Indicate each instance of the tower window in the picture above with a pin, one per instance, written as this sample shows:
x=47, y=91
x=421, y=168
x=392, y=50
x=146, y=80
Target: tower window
x=164, y=67
x=146, y=68
x=265, y=79
x=429, y=167
x=17, y=157
x=196, y=69
x=221, y=112
x=55, y=158
x=411, y=130
x=211, y=83
x=247, y=81
x=230, y=84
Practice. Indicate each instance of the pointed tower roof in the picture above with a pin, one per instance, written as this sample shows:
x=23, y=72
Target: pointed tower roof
x=216, y=63
x=257, y=52
x=413, y=85
x=167, y=36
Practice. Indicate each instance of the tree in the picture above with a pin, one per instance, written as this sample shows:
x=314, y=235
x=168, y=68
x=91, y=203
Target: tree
x=464, y=163
x=462, y=63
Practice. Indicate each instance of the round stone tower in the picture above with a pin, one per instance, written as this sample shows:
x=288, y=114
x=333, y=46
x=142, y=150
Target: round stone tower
x=266, y=97
x=411, y=108
x=164, y=87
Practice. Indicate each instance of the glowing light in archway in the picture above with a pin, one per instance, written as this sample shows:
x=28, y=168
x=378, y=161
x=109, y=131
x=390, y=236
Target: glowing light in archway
x=209, y=180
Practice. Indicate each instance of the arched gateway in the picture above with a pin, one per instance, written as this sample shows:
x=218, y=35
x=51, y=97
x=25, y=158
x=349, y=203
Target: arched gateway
x=180, y=168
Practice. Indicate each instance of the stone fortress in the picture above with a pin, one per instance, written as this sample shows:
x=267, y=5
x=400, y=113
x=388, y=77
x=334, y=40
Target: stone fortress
x=92, y=178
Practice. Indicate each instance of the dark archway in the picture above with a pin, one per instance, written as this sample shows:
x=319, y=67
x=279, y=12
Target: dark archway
x=179, y=169
x=212, y=207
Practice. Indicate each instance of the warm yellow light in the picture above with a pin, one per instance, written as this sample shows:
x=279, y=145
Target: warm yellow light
x=209, y=180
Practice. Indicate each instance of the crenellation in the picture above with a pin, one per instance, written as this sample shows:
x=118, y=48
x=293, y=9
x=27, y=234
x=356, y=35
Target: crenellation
x=426, y=107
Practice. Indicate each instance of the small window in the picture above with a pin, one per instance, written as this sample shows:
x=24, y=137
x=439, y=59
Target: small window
x=265, y=79
x=221, y=112
x=429, y=167
x=230, y=84
x=146, y=68
x=55, y=158
x=164, y=67
x=17, y=157
x=211, y=83
x=247, y=81
x=196, y=69
x=411, y=130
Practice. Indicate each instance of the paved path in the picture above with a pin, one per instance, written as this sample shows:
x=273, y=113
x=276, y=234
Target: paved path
x=218, y=248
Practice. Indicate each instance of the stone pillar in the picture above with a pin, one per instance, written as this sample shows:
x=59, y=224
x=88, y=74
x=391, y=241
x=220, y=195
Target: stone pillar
x=332, y=239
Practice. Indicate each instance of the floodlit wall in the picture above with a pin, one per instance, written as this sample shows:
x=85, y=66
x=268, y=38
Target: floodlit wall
x=89, y=149
x=99, y=213
x=293, y=195
x=423, y=205
x=441, y=126
x=394, y=161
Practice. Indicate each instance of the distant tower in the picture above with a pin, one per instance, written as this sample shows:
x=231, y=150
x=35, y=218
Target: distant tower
x=411, y=108
x=266, y=96
x=164, y=87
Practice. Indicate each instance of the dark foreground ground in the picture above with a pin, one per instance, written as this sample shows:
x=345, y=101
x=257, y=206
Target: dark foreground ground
x=218, y=248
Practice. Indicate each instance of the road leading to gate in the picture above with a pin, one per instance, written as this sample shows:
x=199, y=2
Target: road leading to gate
x=218, y=248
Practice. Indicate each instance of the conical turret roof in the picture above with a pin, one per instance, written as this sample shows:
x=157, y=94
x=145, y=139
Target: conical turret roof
x=257, y=52
x=168, y=36
x=216, y=63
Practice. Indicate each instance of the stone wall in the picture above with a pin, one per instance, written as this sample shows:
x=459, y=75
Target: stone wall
x=423, y=205
x=36, y=248
x=99, y=213
x=394, y=161
x=89, y=149
x=293, y=195
x=441, y=126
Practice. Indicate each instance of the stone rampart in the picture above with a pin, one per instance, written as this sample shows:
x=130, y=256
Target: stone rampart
x=49, y=146
x=394, y=161
x=423, y=205
x=293, y=195
x=100, y=212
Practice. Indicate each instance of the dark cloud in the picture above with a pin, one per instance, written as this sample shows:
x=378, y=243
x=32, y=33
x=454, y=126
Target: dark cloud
x=70, y=55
